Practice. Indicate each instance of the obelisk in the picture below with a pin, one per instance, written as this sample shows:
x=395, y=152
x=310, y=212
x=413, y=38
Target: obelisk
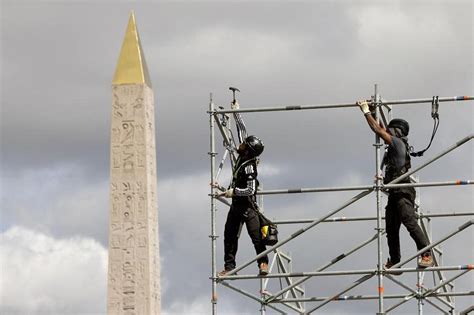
x=134, y=263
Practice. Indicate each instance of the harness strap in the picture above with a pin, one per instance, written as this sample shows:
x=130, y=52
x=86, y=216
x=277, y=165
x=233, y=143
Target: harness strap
x=435, y=116
x=236, y=171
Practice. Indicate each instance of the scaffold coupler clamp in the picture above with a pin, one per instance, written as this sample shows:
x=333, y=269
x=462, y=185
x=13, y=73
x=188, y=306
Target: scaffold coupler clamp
x=435, y=107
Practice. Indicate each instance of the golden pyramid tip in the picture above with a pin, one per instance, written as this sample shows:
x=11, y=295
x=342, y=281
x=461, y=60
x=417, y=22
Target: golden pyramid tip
x=131, y=66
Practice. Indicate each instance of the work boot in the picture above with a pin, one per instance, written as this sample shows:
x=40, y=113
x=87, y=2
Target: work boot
x=389, y=265
x=425, y=261
x=225, y=272
x=263, y=269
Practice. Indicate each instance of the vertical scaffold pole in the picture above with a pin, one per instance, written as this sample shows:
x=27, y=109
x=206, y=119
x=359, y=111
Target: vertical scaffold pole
x=213, y=235
x=378, y=184
x=419, y=275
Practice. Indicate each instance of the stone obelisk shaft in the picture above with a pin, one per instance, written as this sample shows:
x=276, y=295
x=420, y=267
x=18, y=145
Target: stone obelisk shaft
x=134, y=265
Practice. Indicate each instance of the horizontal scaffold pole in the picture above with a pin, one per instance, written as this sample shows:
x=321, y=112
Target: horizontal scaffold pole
x=348, y=273
x=350, y=219
x=408, y=288
x=349, y=188
x=341, y=105
x=343, y=298
x=253, y=297
x=429, y=293
x=325, y=266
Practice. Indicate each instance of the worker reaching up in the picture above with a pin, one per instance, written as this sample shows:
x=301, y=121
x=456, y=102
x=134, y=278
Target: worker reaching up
x=243, y=190
x=401, y=201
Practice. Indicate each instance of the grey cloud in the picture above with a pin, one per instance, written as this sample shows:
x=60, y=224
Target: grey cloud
x=58, y=60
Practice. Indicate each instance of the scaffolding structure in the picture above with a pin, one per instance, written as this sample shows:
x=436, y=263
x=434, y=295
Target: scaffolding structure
x=291, y=297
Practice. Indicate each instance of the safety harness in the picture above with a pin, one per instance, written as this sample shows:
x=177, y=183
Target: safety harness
x=391, y=172
x=236, y=175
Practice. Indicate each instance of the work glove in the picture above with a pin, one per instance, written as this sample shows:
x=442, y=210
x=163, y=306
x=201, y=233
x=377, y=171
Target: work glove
x=234, y=105
x=216, y=185
x=364, y=107
x=229, y=193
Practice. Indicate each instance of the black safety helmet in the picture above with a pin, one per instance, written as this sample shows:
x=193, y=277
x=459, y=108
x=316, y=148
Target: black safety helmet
x=401, y=124
x=255, y=145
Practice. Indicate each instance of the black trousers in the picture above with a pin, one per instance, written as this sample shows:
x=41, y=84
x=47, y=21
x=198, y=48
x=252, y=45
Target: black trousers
x=240, y=213
x=401, y=209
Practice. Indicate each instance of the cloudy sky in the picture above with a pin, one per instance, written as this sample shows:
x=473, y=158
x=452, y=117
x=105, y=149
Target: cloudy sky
x=57, y=62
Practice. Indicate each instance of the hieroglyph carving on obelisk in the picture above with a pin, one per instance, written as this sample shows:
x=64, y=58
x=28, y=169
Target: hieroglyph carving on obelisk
x=134, y=266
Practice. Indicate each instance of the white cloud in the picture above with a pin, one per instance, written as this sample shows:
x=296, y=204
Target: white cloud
x=44, y=275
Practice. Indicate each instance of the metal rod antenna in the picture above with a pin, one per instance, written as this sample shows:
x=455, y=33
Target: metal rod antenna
x=213, y=235
x=342, y=105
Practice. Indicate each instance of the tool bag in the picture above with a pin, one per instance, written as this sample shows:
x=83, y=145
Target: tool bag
x=268, y=230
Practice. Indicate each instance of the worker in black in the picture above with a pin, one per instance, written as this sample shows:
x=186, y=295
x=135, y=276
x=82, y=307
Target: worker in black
x=401, y=201
x=243, y=193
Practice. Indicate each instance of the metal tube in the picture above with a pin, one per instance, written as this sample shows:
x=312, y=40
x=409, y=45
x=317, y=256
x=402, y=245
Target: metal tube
x=327, y=265
x=289, y=282
x=362, y=187
x=345, y=273
x=435, y=259
x=378, y=196
x=348, y=298
x=213, y=235
x=349, y=219
x=311, y=190
x=227, y=140
x=418, y=293
x=433, y=290
x=356, y=283
x=340, y=105
x=221, y=166
x=249, y=295
x=419, y=281
x=415, y=292
x=426, y=294
x=299, y=232
x=461, y=228
x=431, y=184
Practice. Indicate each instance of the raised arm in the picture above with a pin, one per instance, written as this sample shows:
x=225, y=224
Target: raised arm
x=377, y=128
x=241, y=130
